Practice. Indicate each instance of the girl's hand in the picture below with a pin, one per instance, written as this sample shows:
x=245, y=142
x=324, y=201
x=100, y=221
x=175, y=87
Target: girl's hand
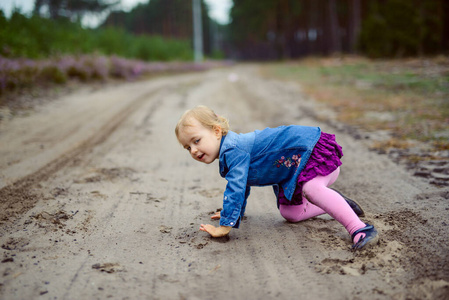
x=215, y=231
x=215, y=216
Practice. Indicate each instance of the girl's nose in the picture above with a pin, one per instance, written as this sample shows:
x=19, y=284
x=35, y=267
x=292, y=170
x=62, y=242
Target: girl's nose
x=193, y=150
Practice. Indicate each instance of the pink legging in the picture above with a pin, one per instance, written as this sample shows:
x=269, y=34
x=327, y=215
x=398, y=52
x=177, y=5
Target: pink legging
x=319, y=199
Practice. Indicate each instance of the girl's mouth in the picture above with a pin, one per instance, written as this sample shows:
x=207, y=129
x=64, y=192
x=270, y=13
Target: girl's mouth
x=200, y=156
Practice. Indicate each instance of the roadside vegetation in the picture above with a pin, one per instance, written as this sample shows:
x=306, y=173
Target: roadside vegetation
x=41, y=53
x=37, y=37
x=407, y=97
x=23, y=75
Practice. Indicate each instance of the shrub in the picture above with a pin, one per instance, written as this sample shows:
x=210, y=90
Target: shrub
x=39, y=38
x=52, y=74
x=16, y=74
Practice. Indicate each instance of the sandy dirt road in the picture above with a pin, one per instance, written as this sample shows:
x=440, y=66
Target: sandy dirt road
x=99, y=201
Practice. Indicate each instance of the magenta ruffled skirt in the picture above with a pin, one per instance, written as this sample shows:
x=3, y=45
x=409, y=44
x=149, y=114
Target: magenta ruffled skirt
x=325, y=159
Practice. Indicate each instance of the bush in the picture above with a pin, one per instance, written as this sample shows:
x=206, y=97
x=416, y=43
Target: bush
x=16, y=74
x=39, y=38
x=52, y=74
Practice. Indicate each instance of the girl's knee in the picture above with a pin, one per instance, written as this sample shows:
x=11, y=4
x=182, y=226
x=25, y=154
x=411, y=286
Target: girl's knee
x=291, y=213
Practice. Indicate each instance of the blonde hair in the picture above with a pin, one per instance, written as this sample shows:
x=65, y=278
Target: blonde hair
x=205, y=116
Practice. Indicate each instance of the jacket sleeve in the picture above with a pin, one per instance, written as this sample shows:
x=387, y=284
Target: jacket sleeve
x=237, y=191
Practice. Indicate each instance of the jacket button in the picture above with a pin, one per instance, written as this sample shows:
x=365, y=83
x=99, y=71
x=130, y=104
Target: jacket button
x=226, y=198
x=232, y=223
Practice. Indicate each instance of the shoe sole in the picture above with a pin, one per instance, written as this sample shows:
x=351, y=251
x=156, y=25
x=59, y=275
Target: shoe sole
x=362, y=214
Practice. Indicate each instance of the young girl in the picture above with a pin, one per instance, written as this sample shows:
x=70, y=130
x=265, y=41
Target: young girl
x=300, y=163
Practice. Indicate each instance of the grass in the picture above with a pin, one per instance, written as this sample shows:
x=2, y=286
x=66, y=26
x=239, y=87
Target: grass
x=408, y=97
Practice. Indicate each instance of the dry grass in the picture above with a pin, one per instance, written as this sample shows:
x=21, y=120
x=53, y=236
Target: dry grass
x=410, y=98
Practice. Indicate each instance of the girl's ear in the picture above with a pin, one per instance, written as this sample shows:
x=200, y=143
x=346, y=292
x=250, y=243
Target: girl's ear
x=218, y=131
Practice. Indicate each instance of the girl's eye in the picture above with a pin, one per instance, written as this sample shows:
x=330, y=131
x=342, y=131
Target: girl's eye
x=197, y=141
x=188, y=148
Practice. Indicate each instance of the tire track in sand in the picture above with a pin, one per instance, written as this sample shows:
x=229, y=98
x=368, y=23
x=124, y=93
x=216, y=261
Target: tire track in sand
x=19, y=197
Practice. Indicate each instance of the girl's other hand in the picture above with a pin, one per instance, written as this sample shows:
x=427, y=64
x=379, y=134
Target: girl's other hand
x=215, y=216
x=215, y=231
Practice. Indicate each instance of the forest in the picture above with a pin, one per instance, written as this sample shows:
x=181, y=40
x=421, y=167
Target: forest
x=52, y=44
x=258, y=30
x=375, y=28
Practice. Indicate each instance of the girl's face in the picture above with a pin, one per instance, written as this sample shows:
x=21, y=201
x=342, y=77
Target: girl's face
x=202, y=143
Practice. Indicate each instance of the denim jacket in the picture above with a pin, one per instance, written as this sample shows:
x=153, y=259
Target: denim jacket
x=273, y=156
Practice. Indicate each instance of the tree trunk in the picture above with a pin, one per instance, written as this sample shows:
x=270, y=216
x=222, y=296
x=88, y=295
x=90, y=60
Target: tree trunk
x=354, y=25
x=421, y=15
x=445, y=31
x=281, y=29
x=316, y=24
x=333, y=39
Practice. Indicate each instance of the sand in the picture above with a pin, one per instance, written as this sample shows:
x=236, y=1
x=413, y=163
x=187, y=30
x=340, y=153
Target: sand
x=99, y=201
